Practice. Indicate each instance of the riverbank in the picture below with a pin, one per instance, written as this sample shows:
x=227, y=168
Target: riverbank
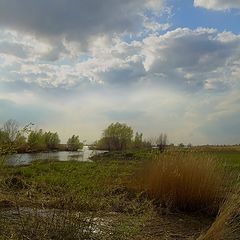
x=96, y=199
x=58, y=148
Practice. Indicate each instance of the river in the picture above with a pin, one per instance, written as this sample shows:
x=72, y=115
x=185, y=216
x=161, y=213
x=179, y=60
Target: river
x=26, y=158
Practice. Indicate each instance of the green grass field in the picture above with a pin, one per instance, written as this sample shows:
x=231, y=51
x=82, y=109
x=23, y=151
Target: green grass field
x=92, y=188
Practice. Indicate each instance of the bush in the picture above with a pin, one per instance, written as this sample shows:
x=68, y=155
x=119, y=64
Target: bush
x=184, y=181
x=117, y=136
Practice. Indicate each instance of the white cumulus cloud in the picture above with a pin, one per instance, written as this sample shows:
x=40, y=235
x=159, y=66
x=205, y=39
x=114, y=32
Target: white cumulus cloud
x=217, y=4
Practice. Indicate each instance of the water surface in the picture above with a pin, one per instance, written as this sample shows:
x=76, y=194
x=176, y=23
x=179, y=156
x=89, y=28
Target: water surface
x=26, y=158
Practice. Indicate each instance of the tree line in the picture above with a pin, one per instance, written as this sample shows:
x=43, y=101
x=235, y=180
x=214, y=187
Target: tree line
x=14, y=139
x=116, y=137
x=119, y=136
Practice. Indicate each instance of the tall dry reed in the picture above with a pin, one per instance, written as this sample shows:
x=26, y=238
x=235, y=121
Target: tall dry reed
x=184, y=181
x=227, y=224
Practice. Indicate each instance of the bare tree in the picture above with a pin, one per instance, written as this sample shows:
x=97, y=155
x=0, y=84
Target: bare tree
x=161, y=142
x=11, y=130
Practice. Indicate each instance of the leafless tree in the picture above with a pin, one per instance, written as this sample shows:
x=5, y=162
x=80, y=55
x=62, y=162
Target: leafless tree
x=162, y=142
x=11, y=129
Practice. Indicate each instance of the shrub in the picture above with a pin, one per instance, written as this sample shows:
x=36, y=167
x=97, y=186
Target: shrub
x=184, y=181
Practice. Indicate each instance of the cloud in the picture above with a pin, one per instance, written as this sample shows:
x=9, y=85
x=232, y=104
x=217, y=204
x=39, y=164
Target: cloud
x=79, y=20
x=182, y=58
x=17, y=50
x=124, y=116
x=215, y=83
x=217, y=5
x=77, y=66
x=23, y=46
x=191, y=57
x=155, y=26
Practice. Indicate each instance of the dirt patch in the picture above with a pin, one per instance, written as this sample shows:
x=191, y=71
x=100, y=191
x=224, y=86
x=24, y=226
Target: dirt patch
x=6, y=204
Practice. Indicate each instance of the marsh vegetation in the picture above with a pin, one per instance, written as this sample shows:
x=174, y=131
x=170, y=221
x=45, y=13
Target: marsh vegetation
x=136, y=192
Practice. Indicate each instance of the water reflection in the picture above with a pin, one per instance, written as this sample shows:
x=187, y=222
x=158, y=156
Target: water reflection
x=26, y=158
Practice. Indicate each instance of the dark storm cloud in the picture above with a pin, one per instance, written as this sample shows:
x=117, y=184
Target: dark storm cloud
x=75, y=19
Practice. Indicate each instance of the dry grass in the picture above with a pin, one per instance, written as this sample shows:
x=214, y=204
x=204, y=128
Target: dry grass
x=227, y=223
x=60, y=225
x=184, y=181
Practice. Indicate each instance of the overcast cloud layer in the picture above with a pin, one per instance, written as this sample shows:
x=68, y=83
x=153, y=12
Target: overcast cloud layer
x=76, y=66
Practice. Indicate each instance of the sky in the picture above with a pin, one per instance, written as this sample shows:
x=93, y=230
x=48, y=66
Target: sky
x=167, y=66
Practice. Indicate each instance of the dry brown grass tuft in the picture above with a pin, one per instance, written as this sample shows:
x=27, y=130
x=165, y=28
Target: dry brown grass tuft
x=184, y=181
x=59, y=225
x=227, y=224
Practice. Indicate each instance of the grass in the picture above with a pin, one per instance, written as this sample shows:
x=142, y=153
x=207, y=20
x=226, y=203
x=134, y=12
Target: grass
x=63, y=225
x=81, y=192
x=230, y=160
x=89, y=188
x=84, y=186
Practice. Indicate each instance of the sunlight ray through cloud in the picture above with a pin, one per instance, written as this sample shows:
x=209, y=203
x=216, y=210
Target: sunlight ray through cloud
x=94, y=62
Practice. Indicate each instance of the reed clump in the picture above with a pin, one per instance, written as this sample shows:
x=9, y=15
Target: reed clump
x=184, y=181
x=227, y=223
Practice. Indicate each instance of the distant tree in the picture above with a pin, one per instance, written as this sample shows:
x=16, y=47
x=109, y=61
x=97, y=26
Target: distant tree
x=12, y=139
x=147, y=144
x=36, y=141
x=138, y=141
x=8, y=134
x=10, y=128
x=51, y=140
x=4, y=145
x=21, y=143
x=162, y=142
x=74, y=143
x=3, y=137
x=101, y=144
x=181, y=145
x=117, y=136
